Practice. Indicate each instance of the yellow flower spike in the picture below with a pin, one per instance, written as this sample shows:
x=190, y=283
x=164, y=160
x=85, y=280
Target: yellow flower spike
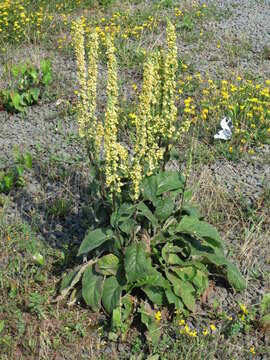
x=169, y=110
x=78, y=39
x=144, y=114
x=115, y=154
x=95, y=130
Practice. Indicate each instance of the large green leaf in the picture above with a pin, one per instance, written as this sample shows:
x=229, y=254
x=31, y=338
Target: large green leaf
x=168, y=181
x=208, y=257
x=147, y=213
x=135, y=262
x=94, y=239
x=169, y=254
x=152, y=277
x=173, y=299
x=149, y=188
x=92, y=285
x=201, y=229
x=200, y=281
x=125, y=211
x=233, y=275
x=191, y=210
x=127, y=226
x=184, y=290
x=154, y=293
x=164, y=208
x=112, y=290
x=186, y=273
x=108, y=265
x=122, y=218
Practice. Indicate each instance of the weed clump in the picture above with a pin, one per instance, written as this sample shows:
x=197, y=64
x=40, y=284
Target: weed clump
x=151, y=248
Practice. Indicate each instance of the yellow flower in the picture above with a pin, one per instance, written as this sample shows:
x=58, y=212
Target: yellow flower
x=158, y=316
x=205, y=113
x=205, y=332
x=243, y=308
x=184, y=66
x=79, y=48
x=181, y=322
x=252, y=350
x=213, y=327
x=225, y=95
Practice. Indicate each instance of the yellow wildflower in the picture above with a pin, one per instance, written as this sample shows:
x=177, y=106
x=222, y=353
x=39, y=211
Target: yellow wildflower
x=205, y=113
x=158, y=316
x=243, y=308
x=205, y=332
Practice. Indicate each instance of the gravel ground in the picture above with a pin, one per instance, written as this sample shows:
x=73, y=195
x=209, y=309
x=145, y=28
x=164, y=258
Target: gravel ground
x=53, y=141
x=243, y=32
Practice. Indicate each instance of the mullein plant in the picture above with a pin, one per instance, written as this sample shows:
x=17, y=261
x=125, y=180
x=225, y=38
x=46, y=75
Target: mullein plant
x=144, y=237
x=155, y=121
